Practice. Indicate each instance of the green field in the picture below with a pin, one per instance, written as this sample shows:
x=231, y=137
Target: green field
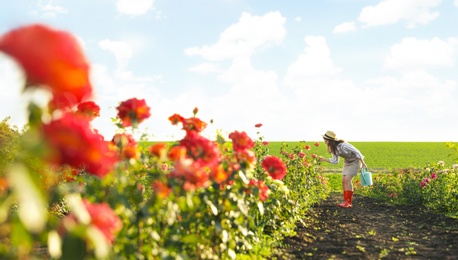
x=383, y=155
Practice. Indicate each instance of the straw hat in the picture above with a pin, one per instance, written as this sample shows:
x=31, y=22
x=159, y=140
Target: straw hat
x=330, y=135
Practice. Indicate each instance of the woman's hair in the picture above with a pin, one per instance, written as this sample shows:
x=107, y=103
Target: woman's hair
x=332, y=145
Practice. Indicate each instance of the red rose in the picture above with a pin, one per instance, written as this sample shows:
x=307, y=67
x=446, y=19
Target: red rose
x=89, y=110
x=193, y=124
x=175, y=119
x=200, y=149
x=127, y=145
x=262, y=189
x=159, y=150
x=275, y=167
x=241, y=141
x=52, y=59
x=133, y=111
x=74, y=143
x=104, y=219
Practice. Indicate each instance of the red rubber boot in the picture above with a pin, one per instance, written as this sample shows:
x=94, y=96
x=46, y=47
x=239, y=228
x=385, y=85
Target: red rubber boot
x=349, y=199
x=343, y=204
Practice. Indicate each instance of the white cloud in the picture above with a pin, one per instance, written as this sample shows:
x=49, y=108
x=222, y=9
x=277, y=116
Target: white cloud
x=414, y=99
x=455, y=2
x=314, y=62
x=345, y=27
x=120, y=49
x=413, y=12
x=413, y=54
x=48, y=9
x=205, y=68
x=242, y=39
x=134, y=7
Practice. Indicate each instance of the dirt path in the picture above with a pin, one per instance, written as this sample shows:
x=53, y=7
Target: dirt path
x=372, y=230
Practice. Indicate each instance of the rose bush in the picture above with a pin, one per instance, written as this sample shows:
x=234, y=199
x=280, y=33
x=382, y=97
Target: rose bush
x=70, y=191
x=434, y=186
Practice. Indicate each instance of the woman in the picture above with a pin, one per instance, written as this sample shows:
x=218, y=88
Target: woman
x=353, y=161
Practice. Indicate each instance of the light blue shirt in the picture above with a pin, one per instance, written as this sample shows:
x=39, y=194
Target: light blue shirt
x=346, y=151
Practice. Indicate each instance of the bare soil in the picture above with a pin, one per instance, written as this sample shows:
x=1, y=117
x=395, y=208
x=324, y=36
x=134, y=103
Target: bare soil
x=371, y=230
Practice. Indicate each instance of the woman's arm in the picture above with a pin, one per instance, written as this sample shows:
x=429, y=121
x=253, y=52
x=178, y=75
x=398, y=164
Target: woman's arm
x=333, y=160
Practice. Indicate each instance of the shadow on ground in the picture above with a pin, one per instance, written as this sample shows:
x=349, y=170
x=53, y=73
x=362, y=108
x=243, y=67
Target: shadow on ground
x=371, y=230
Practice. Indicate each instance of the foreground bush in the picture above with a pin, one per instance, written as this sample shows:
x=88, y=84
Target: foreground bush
x=68, y=190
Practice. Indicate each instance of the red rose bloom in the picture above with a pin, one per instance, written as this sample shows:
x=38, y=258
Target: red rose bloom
x=126, y=145
x=177, y=153
x=133, y=111
x=193, y=124
x=175, y=119
x=241, y=141
x=193, y=173
x=161, y=189
x=159, y=150
x=104, y=219
x=263, y=190
x=52, y=59
x=73, y=143
x=218, y=174
x=89, y=110
x=200, y=149
x=275, y=167
x=246, y=157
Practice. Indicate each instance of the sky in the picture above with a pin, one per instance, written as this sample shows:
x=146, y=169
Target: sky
x=369, y=70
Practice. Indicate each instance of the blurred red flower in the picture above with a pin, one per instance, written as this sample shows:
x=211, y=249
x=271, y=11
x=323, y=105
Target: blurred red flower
x=247, y=157
x=262, y=189
x=52, y=59
x=275, y=167
x=193, y=173
x=307, y=147
x=176, y=153
x=218, y=174
x=161, y=189
x=133, y=111
x=126, y=145
x=193, y=124
x=317, y=144
x=104, y=219
x=257, y=125
x=175, y=119
x=72, y=142
x=241, y=141
x=200, y=149
x=159, y=150
x=88, y=110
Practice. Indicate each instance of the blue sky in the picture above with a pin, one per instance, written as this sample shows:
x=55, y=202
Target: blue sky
x=383, y=70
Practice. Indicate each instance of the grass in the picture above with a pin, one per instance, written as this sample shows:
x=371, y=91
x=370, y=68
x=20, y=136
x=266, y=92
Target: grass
x=335, y=181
